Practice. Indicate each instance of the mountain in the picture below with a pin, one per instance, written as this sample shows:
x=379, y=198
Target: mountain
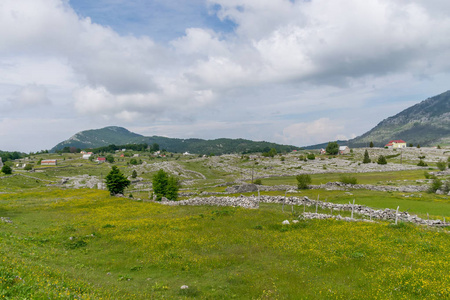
x=426, y=123
x=101, y=137
x=96, y=138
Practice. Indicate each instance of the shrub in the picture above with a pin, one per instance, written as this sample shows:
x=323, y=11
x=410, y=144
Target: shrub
x=134, y=174
x=441, y=165
x=422, y=163
x=28, y=167
x=258, y=181
x=436, y=184
x=109, y=158
x=381, y=160
x=348, y=179
x=303, y=181
x=311, y=156
x=6, y=169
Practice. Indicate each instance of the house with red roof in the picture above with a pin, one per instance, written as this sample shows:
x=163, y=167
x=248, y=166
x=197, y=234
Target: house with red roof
x=101, y=159
x=394, y=144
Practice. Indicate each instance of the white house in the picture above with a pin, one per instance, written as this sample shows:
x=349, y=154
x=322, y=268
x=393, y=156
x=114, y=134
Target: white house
x=344, y=150
x=86, y=156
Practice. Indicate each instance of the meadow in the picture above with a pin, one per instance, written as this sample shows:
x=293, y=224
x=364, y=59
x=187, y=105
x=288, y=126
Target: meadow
x=66, y=243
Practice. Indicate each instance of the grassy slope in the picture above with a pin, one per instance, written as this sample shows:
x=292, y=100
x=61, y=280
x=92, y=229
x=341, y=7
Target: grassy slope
x=134, y=250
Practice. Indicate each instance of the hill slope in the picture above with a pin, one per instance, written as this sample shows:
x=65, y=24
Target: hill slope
x=120, y=136
x=426, y=123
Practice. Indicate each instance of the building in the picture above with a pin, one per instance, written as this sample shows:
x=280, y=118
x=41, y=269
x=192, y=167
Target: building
x=49, y=162
x=394, y=144
x=101, y=159
x=86, y=156
x=344, y=150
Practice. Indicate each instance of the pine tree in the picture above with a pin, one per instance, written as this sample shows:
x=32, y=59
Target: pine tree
x=366, y=159
x=382, y=160
x=116, y=182
x=371, y=145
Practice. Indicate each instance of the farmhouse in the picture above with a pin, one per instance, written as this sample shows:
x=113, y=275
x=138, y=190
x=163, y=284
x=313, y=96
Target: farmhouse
x=101, y=159
x=394, y=144
x=344, y=150
x=86, y=156
x=49, y=162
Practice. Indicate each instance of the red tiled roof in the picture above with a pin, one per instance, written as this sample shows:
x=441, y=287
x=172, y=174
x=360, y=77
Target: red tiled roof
x=397, y=141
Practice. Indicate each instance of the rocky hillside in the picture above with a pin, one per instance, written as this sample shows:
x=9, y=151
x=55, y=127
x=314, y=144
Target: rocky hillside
x=426, y=123
x=120, y=136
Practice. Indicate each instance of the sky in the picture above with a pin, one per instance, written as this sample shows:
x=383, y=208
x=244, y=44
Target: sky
x=297, y=72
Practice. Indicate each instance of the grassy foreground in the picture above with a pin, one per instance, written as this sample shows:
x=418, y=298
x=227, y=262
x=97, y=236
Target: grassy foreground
x=84, y=244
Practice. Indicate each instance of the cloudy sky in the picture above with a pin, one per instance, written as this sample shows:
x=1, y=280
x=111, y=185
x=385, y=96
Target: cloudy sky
x=296, y=72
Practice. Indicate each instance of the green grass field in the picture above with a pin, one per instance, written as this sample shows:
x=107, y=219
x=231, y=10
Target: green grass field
x=66, y=243
x=84, y=244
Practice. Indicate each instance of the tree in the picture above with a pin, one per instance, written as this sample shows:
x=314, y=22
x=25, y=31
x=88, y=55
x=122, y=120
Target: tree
x=366, y=159
x=6, y=169
x=109, y=158
x=382, y=160
x=134, y=174
x=154, y=147
x=303, y=181
x=165, y=186
x=28, y=167
x=332, y=148
x=371, y=145
x=116, y=182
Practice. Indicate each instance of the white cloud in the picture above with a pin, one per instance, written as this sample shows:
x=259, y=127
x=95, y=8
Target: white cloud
x=318, y=131
x=285, y=59
x=30, y=96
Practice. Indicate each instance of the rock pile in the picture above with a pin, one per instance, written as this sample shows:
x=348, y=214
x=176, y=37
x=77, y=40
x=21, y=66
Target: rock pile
x=246, y=202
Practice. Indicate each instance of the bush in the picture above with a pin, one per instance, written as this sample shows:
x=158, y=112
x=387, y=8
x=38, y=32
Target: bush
x=28, y=167
x=134, y=174
x=441, y=165
x=311, y=156
x=109, y=158
x=348, y=179
x=258, y=181
x=6, y=169
x=435, y=185
x=303, y=181
x=382, y=160
x=422, y=163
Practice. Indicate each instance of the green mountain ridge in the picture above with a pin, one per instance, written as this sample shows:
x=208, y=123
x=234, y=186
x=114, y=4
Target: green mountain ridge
x=426, y=123
x=95, y=138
